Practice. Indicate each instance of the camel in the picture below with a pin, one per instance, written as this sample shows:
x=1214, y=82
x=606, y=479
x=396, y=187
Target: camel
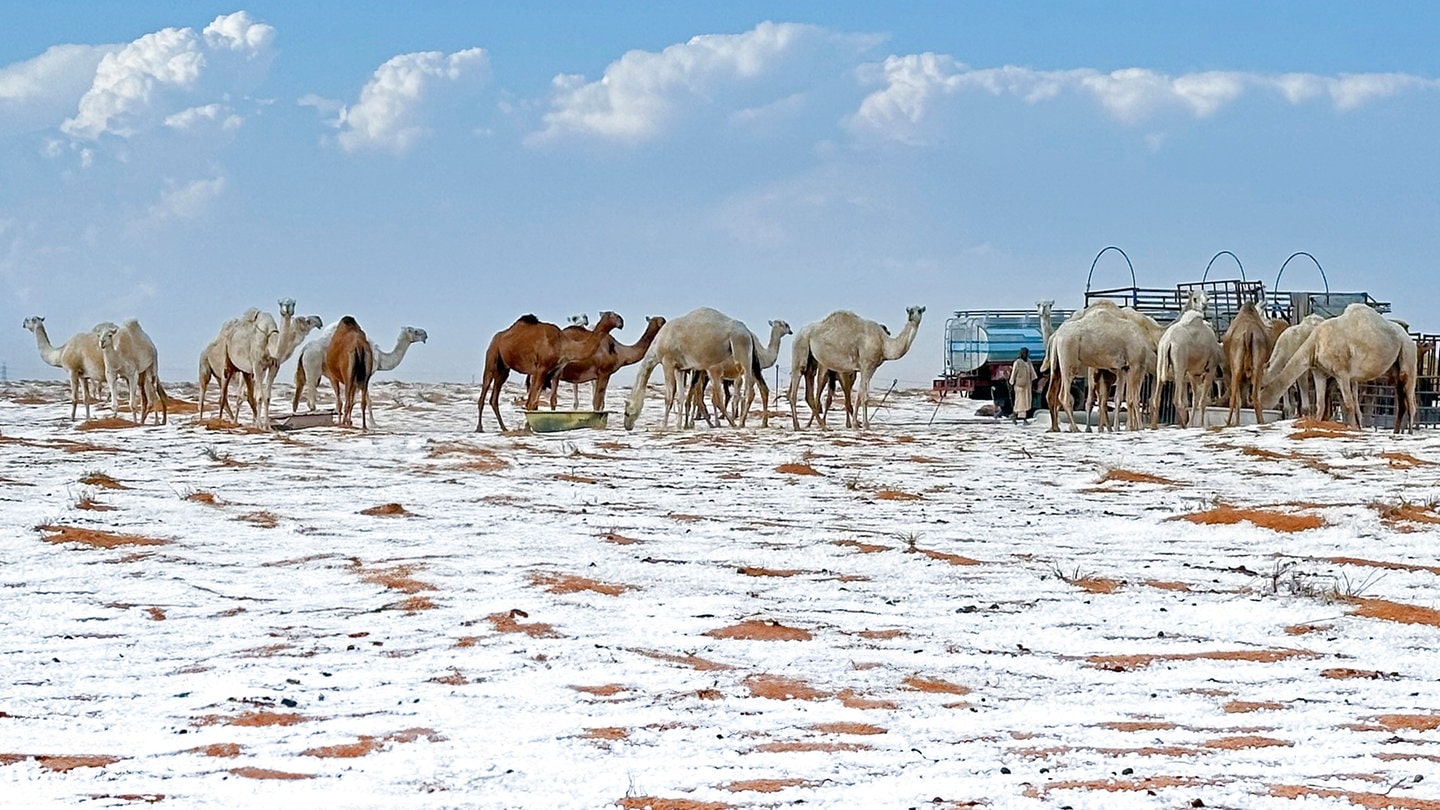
x=349, y=363
x=212, y=365
x=1247, y=351
x=310, y=366
x=1101, y=339
x=844, y=342
x=130, y=353
x=765, y=356
x=538, y=350
x=582, y=320
x=1312, y=396
x=80, y=356
x=609, y=357
x=703, y=339
x=1190, y=355
x=1353, y=347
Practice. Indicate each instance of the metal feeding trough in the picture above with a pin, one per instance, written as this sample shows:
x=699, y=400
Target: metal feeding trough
x=555, y=421
x=299, y=421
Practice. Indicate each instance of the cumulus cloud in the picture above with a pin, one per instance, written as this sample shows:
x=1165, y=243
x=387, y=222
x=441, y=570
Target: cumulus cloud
x=38, y=92
x=643, y=91
x=391, y=113
x=141, y=85
x=914, y=86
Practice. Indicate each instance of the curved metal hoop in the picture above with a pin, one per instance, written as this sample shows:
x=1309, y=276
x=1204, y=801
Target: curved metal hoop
x=1133, y=284
x=1317, y=267
x=1218, y=255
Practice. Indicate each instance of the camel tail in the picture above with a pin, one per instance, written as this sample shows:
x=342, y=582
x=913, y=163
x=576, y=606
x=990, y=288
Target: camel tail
x=1278, y=382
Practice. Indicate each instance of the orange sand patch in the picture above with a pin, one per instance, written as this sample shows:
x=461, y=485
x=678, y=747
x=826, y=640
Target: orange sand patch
x=1116, y=785
x=255, y=719
x=1409, y=722
x=569, y=583
x=863, y=548
x=1168, y=586
x=805, y=747
x=882, y=635
x=156, y=614
x=953, y=559
x=387, y=510
x=64, y=764
x=108, y=423
x=395, y=577
x=411, y=604
x=222, y=750
x=757, y=630
x=359, y=748
x=266, y=773
x=1245, y=706
x=602, y=691
x=853, y=700
x=479, y=459
x=1396, y=515
x=1123, y=663
x=776, y=687
x=1137, y=725
x=575, y=479
x=607, y=733
x=1345, y=673
x=848, y=728
x=1096, y=584
x=454, y=678
x=924, y=460
x=509, y=623
x=653, y=803
x=1380, y=801
x=207, y=498
x=99, y=479
x=935, y=686
x=92, y=505
x=1237, y=743
x=176, y=406
x=1276, y=521
x=1394, y=611
x=265, y=520
x=1401, y=756
x=1135, y=478
x=752, y=571
x=413, y=734
x=684, y=518
x=1303, y=629
x=693, y=661
x=618, y=539
x=1389, y=566
x=709, y=694
x=1405, y=461
x=94, y=538
x=764, y=785
x=467, y=641
x=896, y=495
x=77, y=447
x=796, y=469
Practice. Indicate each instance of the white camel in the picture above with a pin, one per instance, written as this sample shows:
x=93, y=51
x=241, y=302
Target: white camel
x=1100, y=339
x=130, y=353
x=704, y=340
x=1189, y=355
x=1313, y=391
x=1355, y=346
x=309, y=368
x=765, y=356
x=79, y=356
x=845, y=343
x=212, y=366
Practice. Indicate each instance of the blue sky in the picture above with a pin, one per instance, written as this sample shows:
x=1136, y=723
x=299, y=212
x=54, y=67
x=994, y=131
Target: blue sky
x=455, y=165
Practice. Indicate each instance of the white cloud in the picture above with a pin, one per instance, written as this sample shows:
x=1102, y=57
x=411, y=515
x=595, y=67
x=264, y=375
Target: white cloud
x=210, y=115
x=38, y=92
x=643, y=91
x=188, y=201
x=914, y=86
x=390, y=115
x=140, y=85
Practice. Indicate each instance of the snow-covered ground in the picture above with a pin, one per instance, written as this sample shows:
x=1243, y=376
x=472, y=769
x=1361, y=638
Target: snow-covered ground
x=927, y=614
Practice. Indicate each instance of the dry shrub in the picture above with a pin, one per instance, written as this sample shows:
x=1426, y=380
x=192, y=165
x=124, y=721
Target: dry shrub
x=757, y=630
x=796, y=469
x=1275, y=521
x=569, y=583
x=94, y=538
x=387, y=510
x=1130, y=476
x=99, y=479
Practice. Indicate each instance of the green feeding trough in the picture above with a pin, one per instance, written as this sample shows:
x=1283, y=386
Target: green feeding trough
x=556, y=421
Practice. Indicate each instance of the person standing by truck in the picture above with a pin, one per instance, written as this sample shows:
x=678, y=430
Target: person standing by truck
x=1022, y=385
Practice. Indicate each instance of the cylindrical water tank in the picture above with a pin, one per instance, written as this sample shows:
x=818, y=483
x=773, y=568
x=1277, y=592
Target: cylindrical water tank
x=974, y=342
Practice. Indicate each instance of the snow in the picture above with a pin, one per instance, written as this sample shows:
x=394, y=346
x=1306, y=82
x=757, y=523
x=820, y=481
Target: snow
x=951, y=652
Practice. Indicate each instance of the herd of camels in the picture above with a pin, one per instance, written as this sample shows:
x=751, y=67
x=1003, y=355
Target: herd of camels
x=1106, y=343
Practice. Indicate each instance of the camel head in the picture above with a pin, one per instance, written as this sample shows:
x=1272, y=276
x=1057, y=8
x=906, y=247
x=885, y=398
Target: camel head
x=33, y=322
x=781, y=328
x=1197, y=301
x=306, y=324
x=287, y=307
x=914, y=314
x=632, y=412
x=106, y=336
x=414, y=334
x=580, y=320
x=609, y=321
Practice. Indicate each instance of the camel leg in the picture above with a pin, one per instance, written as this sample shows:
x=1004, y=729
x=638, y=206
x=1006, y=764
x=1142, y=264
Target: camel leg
x=862, y=399
x=795, y=378
x=717, y=393
x=812, y=396
x=1255, y=396
x=671, y=383
x=364, y=406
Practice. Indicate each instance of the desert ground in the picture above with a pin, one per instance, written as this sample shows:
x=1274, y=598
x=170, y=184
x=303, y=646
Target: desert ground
x=940, y=612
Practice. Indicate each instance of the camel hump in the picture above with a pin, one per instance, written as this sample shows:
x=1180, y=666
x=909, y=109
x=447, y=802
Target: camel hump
x=350, y=322
x=528, y=318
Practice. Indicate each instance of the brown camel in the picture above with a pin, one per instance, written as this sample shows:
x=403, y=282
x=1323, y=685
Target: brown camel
x=538, y=350
x=349, y=362
x=609, y=357
x=1247, y=351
